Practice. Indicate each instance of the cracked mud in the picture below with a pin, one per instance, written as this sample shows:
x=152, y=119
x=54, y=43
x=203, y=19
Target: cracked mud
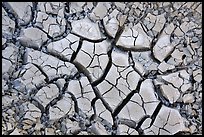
x=101, y=68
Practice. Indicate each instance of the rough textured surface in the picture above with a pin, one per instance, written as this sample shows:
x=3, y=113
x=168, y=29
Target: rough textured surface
x=101, y=68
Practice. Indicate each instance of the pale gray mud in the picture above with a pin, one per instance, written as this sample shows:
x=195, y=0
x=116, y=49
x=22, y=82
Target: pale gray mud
x=118, y=68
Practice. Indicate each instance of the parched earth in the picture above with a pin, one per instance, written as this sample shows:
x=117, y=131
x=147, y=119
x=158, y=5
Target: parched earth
x=101, y=68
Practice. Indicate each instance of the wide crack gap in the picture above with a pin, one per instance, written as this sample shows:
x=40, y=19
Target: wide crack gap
x=113, y=43
x=99, y=80
x=77, y=51
x=126, y=100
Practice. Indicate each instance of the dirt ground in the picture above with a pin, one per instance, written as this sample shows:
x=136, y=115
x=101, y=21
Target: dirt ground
x=98, y=68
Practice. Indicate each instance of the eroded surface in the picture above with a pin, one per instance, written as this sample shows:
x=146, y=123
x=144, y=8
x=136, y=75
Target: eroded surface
x=126, y=68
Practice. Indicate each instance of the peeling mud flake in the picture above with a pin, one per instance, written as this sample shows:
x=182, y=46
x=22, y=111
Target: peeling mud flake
x=23, y=10
x=168, y=122
x=34, y=35
x=162, y=48
x=120, y=59
x=134, y=38
x=174, y=79
x=113, y=21
x=46, y=94
x=8, y=25
x=33, y=113
x=86, y=28
x=171, y=93
x=99, y=11
x=197, y=75
x=188, y=98
x=61, y=108
x=125, y=130
x=163, y=66
x=98, y=129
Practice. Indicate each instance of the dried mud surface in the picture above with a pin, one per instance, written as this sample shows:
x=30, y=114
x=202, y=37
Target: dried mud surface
x=117, y=68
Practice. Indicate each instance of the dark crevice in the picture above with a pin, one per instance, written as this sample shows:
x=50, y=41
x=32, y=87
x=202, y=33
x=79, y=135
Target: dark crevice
x=76, y=107
x=113, y=43
x=157, y=89
x=99, y=80
x=103, y=30
x=126, y=100
x=115, y=125
x=11, y=13
x=89, y=40
x=93, y=102
x=77, y=51
x=155, y=113
x=97, y=93
x=141, y=122
x=42, y=71
x=118, y=34
x=128, y=122
x=132, y=63
x=124, y=49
